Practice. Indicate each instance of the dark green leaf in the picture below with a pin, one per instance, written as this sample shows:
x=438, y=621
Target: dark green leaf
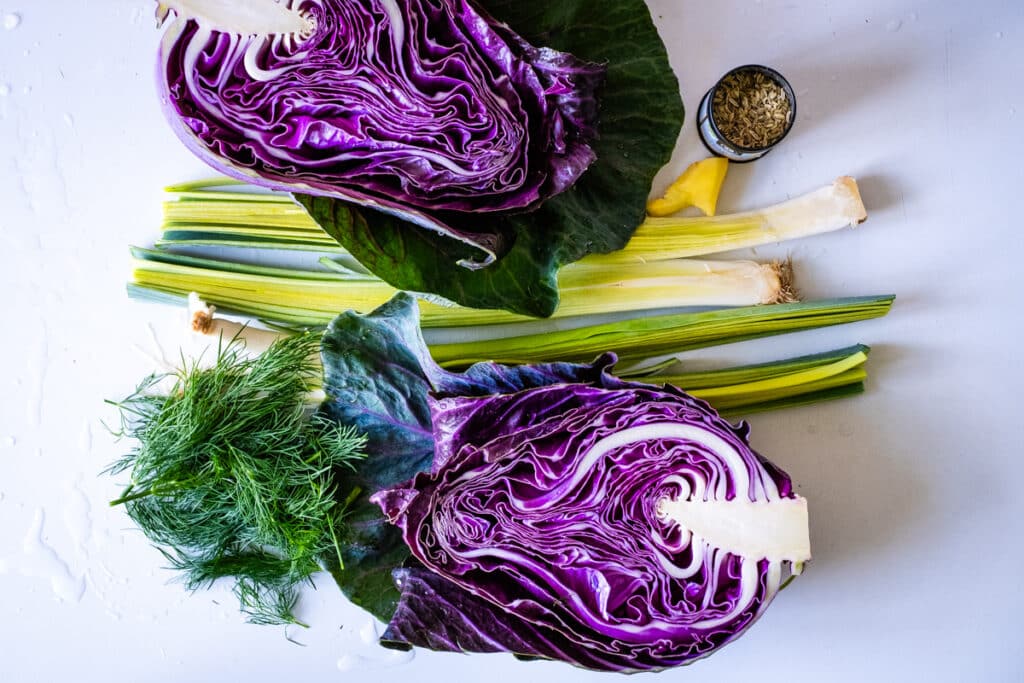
x=641, y=114
x=378, y=378
x=371, y=549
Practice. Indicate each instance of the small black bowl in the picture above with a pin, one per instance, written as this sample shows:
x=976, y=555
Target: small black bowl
x=712, y=136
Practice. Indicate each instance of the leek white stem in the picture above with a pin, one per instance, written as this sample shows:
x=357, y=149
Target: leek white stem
x=314, y=298
x=236, y=217
x=677, y=283
x=831, y=208
x=206, y=326
x=207, y=331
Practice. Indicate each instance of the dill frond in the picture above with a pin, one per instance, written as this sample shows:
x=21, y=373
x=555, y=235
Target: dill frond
x=233, y=475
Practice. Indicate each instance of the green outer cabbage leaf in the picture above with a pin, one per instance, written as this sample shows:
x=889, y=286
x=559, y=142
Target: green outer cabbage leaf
x=641, y=115
x=378, y=375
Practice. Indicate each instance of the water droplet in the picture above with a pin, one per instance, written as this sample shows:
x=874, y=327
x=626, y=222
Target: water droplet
x=999, y=35
x=10, y=441
x=39, y=559
x=5, y=90
x=368, y=633
x=27, y=90
x=894, y=25
x=12, y=21
x=69, y=119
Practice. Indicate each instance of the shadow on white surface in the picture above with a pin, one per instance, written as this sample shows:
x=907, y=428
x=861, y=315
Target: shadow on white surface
x=829, y=87
x=880, y=192
x=868, y=491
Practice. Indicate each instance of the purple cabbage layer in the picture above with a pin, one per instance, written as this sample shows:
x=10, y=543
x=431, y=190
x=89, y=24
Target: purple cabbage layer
x=530, y=545
x=414, y=107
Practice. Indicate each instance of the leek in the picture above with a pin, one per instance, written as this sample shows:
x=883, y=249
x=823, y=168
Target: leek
x=308, y=298
x=199, y=214
x=746, y=389
x=641, y=338
x=645, y=275
x=831, y=208
x=778, y=384
x=789, y=383
x=648, y=274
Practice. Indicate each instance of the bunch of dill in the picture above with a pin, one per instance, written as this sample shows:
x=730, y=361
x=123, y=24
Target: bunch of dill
x=235, y=475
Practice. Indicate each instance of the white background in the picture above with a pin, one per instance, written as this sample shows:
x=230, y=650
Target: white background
x=915, y=487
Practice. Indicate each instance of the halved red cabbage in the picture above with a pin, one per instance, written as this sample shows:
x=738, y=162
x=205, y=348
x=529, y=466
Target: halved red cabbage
x=414, y=107
x=544, y=528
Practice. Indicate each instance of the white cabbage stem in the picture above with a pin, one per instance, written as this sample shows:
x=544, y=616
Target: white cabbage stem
x=757, y=524
x=774, y=530
x=242, y=17
x=769, y=527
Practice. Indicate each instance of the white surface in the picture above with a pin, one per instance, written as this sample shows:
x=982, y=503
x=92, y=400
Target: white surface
x=914, y=488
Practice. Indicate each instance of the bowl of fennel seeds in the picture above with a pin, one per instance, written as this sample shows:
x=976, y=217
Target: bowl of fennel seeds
x=749, y=111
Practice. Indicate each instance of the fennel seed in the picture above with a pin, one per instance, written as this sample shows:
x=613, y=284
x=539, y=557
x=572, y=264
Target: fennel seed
x=751, y=110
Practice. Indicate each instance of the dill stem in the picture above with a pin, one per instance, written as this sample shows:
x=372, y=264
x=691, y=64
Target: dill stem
x=131, y=497
x=167, y=489
x=337, y=544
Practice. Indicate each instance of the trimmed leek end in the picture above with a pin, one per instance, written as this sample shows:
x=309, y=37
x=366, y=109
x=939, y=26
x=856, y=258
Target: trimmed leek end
x=698, y=186
x=787, y=293
x=672, y=284
x=830, y=208
x=846, y=190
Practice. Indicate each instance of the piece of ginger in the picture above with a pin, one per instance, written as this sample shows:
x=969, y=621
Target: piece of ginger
x=699, y=186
